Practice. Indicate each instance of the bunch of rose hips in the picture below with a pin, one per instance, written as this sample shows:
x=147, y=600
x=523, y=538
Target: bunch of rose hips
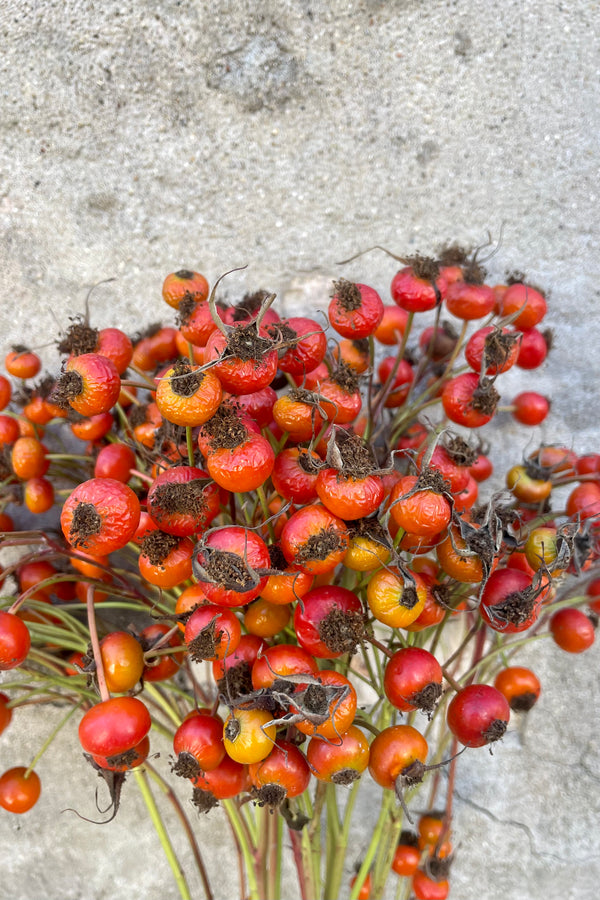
x=284, y=504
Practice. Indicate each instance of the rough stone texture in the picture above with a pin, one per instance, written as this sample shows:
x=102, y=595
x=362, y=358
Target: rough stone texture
x=141, y=137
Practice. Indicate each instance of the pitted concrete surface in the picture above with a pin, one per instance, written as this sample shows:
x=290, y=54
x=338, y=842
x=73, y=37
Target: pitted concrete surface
x=139, y=138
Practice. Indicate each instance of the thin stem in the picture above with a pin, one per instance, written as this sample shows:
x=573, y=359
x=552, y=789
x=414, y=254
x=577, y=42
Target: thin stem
x=189, y=441
x=46, y=660
x=149, y=383
x=367, y=725
x=370, y=421
x=379, y=645
x=358, y=675
x=331, y=835
x=386, y=851
x=401, y=420
x=513, y=648
x=277, y=845
x=245, y=844
x=141, y=475
x=477, y=652
x=50, y=738
x=35, y=696
x=262, y=852
x=403, y=889
x=250, y=822
x=369, y=667
x=451, y=681
x=142, y=782
x=240, y=858
x=155, y=649
x=69, y=456
x=53, y=634
x=311, y=877
x=130, y=396
x=384, y=811
x=91, y=615
x=335, y=865
x=314, y=833
x=385, y=390
x=296, y=843
x=161, y=701
x=438, y=633
x=265, y=510
x=123, y=420
x=464, y=642
x=273, y=857
x=168, y=791
x=449, y=793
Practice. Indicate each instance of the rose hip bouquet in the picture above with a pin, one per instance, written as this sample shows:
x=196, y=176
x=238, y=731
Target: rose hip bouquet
x=285, y=515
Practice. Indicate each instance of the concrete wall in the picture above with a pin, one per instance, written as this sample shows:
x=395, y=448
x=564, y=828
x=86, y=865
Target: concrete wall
x=141, y=137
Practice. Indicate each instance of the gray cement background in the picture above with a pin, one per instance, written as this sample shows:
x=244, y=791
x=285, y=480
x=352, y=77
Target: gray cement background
x=139, y=137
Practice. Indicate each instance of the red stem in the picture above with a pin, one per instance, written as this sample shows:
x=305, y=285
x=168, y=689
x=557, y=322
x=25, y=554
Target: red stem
x=91, y=615
x=455, y=685
x=449, y=794
x=141, y=475
x=379, y=645
x=478, y=651
x=240, y=858
x=161, y=642
x=297, y=853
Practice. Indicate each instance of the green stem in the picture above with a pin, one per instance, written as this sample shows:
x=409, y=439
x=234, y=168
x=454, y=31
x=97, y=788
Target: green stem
x=142, y=782
x=262, y=852
x=331, y=835
x=347, y=821
x=46, y=660
x=47, y=695
x=251, y=824
x=400, y=421
x=512, y=647
x=296, y=846
x=50, y=738
x=29, y=595
x=368, y=665
x=69, y=456
x=273, y=855
x=164, y=704
x=385, y=854
x=240, y=860
x=51, y=634
x=438, y=633
x=169, y=793
x=358, y=675
x=278, y=845
x=189, y=439
x=387, y=802
x=241, y=833
x=403, y=889
x=265, y=509
x=311, y=835
x=335, y=864
x=124, y=421
x=65, y=617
